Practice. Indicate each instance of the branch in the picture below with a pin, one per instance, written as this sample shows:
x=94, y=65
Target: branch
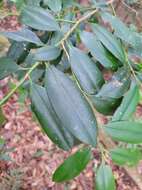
x=35, y=65
x=76, y=25
x=132, y=172
x=64, y=20
x=19, y=84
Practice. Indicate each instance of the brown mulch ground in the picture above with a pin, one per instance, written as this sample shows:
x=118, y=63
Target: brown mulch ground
x=8, y=23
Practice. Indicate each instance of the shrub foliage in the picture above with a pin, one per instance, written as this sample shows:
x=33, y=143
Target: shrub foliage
x=67, y=86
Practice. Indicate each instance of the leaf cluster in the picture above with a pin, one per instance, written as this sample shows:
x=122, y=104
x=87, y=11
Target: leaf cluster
x=66, y=84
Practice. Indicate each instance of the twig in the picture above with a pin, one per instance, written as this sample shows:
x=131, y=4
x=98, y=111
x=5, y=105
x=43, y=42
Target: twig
x=113, y=9
x=133, y=72
x=76, y=25
x=65, y=50
x=132, y=172
x=19, y=84
x=130, y=8
x=64, y=20
x=60, y=43
x=135, y=76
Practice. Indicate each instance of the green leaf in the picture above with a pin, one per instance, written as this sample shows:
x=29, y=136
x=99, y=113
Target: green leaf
x=55, y=5
x=109, y=97
x=18, y=51
x=2, y=118
x=123, y=156
x=7, y=67
x=128, y=105
x=71, y=106
x=98, y=50
x=46, y=114
x=104, y=178
x=48, y=53
x=38, y=18
x=33, y=2
x=105, y=105
x=20, y=3
x=122, y=31
x=72, y=166
x=110, y=42
x=117, y=86
x=86, y=72
x=23, y=35
x=125, y=131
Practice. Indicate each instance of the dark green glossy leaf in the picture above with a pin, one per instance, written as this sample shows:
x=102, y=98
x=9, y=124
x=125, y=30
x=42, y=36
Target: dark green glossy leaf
x=104, y=178
x=48, y=53
x=71, y=106
x=7, y=67
x=117, y=86
x=18, y=51
x=98, y=50
x=64, y=64
x=128, y=105
x=125, y=131
x=86, y=72
x=23, y=35
x=38, y=18
x=105, y=105
x=72, y=166
x=56, y=38
x=48, y=118
x=109, y=41
x=123, y=156
x=109, y=97
x=35, y=76
x=123, y=32
x=55, y=5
